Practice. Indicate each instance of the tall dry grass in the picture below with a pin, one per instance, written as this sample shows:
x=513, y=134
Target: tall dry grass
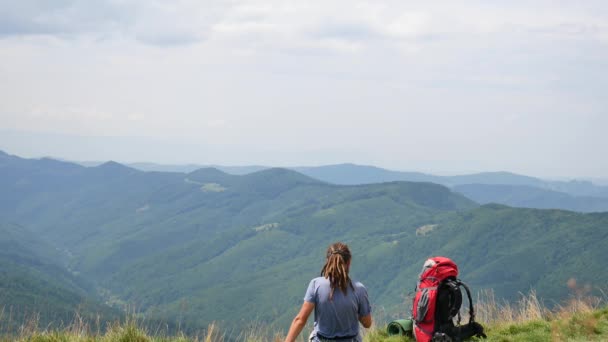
x=131, y=329
x=489, y=311
x=530, y=307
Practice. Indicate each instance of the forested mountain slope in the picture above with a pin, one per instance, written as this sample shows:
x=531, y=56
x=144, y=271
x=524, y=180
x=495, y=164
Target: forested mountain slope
x=35, y=283
x=208, y=246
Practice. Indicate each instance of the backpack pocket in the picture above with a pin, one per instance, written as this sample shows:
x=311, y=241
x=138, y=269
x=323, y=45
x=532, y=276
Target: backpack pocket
x=422, y=307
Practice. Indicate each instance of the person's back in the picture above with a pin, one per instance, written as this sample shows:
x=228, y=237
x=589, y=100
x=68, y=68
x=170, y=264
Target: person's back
x=339, y=303
x=338, y=316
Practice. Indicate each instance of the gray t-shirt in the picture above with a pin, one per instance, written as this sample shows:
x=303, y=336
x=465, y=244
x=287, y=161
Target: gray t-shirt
x=340, y=316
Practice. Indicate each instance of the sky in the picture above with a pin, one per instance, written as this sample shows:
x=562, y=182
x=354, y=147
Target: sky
x=445, y=87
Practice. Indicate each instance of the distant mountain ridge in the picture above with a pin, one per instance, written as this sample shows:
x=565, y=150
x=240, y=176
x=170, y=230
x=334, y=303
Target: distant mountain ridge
x=358, y=174
x=490, y=187
x=531, y=197
x=486, y=187
x=353, y=174
x=577, y=195
x=185, y=168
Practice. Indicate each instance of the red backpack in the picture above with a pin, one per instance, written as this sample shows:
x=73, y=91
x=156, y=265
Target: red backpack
x=437, y=302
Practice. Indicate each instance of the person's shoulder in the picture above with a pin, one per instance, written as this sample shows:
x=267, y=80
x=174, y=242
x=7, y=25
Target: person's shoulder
x=359, y=288
x=319, y=280
x=358, y=285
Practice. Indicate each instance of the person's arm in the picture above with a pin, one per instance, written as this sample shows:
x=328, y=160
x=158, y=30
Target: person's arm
x=365, y=310
x=299, y=321
x=366, y=321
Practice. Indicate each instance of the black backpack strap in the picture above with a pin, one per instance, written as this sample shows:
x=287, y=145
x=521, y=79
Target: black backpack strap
x=456, y=298
x=471, y=309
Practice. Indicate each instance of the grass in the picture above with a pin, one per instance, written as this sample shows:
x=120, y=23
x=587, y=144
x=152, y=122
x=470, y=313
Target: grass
x=589, y=326
x=582, y=318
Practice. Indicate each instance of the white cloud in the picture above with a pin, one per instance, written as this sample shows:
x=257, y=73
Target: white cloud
x=293, y=23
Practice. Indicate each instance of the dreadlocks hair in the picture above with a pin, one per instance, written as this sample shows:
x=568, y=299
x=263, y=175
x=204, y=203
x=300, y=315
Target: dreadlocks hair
x=336, y=268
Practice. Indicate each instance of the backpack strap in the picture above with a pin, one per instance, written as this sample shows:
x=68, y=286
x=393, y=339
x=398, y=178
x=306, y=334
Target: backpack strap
x=453, y=286
x=471, y=309
x=473, y=328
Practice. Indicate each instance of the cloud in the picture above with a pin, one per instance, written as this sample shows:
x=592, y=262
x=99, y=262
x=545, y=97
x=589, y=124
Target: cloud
x=380, y=75
x=168, y=38
x=38, y=17
x=340, y=25
x=154, y=22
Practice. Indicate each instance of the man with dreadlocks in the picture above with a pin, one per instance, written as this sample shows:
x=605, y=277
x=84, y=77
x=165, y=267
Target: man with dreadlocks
x=339, y=302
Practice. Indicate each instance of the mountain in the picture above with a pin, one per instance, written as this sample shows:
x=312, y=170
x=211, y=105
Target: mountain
x=34, y=282
x=584, y=196
x=210, y=246
x=352, y=174
x=531, y=197
x=184, y=168
x=579, y=188
x=487, y=187
x=503, y=248
x=158, y=239
x=349, y=174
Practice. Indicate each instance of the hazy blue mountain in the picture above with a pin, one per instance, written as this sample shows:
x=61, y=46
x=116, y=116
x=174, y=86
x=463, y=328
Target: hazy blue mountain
x=352, y=174
x=488, y=187
x=530, y=197
x=184, y=168
x=578, y=188
x=492, y=178
x=234, y=170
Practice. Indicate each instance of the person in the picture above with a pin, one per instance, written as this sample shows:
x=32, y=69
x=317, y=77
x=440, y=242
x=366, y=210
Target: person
x=339, y=303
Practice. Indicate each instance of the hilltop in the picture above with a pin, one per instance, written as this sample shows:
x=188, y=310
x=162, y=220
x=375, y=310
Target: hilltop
x=486, y=187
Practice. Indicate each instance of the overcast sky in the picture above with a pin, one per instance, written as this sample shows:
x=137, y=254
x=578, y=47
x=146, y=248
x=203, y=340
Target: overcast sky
x=444, y=87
